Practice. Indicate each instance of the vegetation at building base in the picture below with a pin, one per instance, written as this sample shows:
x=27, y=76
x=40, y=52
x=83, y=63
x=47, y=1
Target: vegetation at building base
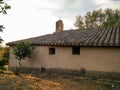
x=98, y=19
x=21, y=51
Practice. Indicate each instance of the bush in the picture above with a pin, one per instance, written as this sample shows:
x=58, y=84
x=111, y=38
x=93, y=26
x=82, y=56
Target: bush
x=15, y=70
x=3, y=61
x=4, y=55
x=2, y=68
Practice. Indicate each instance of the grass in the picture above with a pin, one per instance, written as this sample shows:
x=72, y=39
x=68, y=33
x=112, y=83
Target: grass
x=54, y=82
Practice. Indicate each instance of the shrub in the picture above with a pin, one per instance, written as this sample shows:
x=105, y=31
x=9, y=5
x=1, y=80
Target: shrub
x=3, y=61
x=4, y=54
x=2, y=68
x=15, y=70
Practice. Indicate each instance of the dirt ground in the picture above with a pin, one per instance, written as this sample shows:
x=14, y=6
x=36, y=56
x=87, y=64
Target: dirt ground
x=54, y=82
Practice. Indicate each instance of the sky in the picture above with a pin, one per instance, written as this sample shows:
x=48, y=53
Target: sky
x=31, y=18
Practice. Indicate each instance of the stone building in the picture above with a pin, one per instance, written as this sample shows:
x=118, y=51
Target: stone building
x=91, y=49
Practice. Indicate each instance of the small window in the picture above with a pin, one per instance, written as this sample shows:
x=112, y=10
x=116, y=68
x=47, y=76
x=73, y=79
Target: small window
x=51, y=51
x=76, y=50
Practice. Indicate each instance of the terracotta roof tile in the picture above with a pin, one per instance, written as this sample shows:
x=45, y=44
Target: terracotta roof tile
x=109, y=36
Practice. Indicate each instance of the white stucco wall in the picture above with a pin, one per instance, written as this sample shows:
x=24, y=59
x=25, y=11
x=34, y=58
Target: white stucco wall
x=90, y=58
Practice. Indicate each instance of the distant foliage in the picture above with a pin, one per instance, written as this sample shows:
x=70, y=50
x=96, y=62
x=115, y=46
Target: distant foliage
x=98, y=19
x=79, y=22
x=4, y=55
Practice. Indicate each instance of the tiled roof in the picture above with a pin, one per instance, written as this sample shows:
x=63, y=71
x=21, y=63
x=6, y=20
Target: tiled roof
x=109, y=36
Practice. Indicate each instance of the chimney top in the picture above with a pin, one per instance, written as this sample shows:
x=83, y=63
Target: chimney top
x=59, y=25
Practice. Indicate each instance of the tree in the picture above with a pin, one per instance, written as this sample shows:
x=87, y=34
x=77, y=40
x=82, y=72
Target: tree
x=99, y=18
x=79, y=22
x=3, y=59
x=92, y=19
x=3, y=8
x=21, y=51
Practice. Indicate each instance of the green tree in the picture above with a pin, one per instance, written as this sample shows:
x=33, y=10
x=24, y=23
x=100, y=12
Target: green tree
x=99, y=18
x=3, y=7
x=79, y=22
x=21, y=51
x=112, y=17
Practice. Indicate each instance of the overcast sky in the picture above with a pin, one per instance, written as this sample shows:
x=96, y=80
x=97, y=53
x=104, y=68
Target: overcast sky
x=31, y=18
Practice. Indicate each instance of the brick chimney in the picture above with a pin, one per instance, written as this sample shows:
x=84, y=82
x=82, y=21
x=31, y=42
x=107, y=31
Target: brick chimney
x=59, y=26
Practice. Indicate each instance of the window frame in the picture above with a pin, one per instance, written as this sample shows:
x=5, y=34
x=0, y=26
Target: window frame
x=51, y=50
x=76, y=50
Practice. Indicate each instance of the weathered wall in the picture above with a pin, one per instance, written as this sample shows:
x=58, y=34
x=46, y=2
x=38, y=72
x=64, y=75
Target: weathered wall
x=90, y=58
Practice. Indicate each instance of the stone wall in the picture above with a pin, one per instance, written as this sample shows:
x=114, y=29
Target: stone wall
x=70, y=73
x=102, y=59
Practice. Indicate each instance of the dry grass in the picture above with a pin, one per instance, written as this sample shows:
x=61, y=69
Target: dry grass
x=27, y=82
x=53, y=82
x=72, y=83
